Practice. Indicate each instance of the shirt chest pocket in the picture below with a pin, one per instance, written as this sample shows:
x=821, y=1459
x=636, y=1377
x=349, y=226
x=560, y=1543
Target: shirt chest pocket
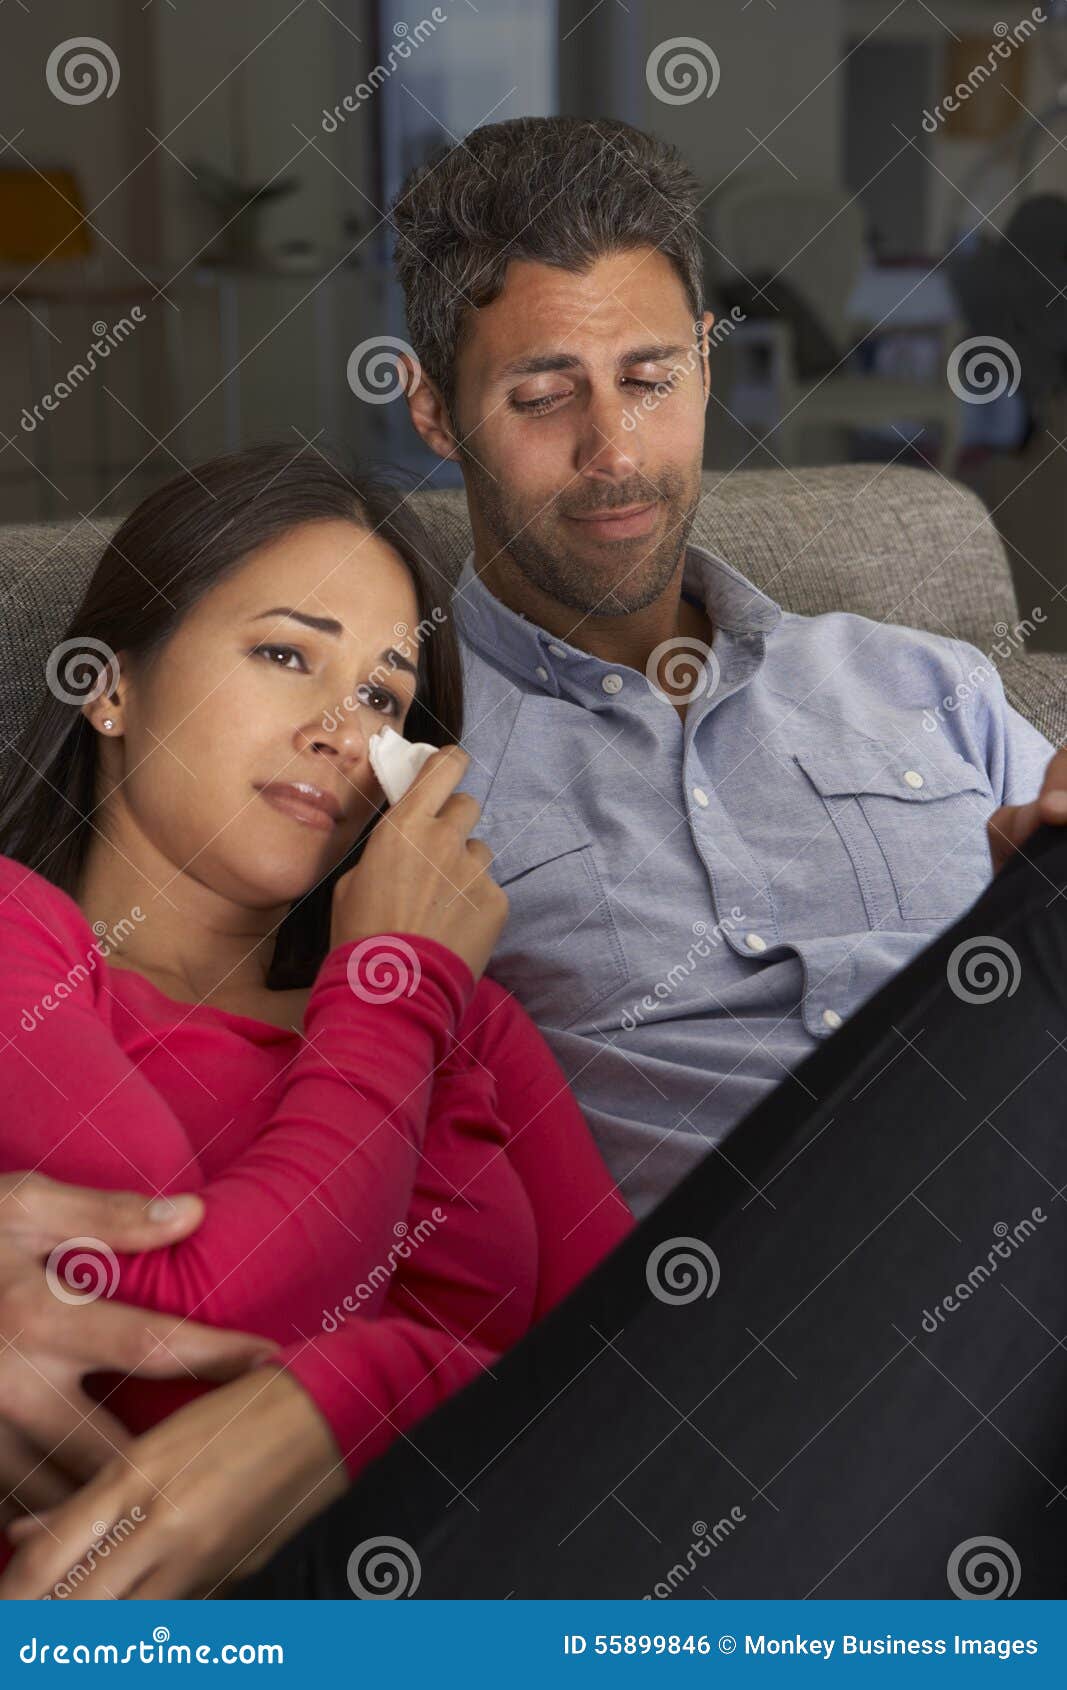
x=912, y=822
x=560, y=951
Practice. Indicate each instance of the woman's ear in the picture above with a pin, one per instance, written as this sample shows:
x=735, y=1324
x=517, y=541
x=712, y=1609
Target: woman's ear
x=105, y=709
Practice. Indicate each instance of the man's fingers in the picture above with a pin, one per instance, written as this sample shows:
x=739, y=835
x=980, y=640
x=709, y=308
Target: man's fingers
x=43, y=1212
x=28, y=1479
x=81, y=1435
x=1056, y=779
x=110, y=1336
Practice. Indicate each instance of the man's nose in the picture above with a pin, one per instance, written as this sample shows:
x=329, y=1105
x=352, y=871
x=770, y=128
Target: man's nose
x=606, y=450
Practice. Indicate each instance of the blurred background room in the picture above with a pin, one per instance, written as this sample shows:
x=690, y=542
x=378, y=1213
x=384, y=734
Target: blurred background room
x=194, y=252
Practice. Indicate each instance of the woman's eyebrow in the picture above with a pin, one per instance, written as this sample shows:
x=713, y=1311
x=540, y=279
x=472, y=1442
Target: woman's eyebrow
x=324, y=624
x=328, y=625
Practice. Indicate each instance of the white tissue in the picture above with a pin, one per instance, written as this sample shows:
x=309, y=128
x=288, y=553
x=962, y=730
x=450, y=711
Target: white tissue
x=396, y=761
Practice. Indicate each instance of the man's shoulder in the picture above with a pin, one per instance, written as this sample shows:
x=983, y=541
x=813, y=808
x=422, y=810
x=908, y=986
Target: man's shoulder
x=847, y=645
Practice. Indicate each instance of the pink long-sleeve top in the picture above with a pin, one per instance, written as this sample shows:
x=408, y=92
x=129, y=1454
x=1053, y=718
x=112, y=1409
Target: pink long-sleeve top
x=394, y=1195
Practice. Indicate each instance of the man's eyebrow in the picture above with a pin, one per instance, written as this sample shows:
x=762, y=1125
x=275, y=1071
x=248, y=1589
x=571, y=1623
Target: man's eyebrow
x=550, y=361
x=328, y=625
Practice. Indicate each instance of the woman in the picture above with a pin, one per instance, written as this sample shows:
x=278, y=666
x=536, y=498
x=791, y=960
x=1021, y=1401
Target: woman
x=230, y=971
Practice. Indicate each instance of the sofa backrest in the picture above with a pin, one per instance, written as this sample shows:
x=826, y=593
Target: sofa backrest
x=899, y=545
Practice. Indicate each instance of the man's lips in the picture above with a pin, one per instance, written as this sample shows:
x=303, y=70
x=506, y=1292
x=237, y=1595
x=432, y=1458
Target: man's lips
x=628, y=522
x=305, y=803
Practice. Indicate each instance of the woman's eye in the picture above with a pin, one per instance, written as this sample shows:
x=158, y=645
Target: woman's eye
x=272, y=652
x=378, y=699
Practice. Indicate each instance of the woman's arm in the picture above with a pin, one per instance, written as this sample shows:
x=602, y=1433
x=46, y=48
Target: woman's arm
x=313, y=1200
x=579, y=1210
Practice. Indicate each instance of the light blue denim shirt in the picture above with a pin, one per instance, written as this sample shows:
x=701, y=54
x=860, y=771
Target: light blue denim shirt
x=693, y=905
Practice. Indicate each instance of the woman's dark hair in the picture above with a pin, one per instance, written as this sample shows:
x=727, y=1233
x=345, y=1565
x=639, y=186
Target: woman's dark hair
x=177, y=545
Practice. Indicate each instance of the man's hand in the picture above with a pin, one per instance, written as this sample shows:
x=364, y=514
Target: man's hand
x=53, y=1436
x=1011, y=825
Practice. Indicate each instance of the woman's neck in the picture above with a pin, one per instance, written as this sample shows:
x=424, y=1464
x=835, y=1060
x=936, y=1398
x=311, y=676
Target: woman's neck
x=172, y=928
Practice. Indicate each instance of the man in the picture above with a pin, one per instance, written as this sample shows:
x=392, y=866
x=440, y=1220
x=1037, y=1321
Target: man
x=705, y=878
x=768, y=838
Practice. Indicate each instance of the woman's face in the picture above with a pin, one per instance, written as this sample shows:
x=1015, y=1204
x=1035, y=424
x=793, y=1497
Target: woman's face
x=246, y=700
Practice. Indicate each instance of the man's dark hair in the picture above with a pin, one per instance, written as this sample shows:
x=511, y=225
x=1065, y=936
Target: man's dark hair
x=557, y=190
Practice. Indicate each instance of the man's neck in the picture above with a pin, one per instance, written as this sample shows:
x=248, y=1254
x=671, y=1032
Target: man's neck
x=627, y=640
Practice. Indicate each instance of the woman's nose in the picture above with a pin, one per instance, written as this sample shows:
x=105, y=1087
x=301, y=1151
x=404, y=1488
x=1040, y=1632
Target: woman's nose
x=342, y=732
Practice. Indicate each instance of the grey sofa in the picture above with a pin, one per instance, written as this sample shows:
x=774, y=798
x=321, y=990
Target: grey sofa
x=901, y=545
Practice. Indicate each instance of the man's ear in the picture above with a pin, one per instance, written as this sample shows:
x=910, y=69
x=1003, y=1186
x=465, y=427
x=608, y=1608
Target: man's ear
x=705, y=349
x=429, y=413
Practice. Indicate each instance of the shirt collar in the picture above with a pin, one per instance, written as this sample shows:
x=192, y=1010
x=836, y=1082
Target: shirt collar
x=509, y=640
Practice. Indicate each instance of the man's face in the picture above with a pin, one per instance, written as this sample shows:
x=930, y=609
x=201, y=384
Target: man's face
x=580, y=408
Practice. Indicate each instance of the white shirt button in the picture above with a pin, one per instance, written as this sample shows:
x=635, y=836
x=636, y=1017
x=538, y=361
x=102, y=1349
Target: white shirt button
x=913, y=777
x=754, y=942
x=557, y=651
x=831, y=1017
x=701, y=797
x=542, y=674
x=612, y=683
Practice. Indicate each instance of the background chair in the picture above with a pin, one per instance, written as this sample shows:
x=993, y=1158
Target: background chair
x=811, y=239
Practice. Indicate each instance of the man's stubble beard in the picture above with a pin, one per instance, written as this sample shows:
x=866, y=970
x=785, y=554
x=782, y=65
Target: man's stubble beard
x=531, y=541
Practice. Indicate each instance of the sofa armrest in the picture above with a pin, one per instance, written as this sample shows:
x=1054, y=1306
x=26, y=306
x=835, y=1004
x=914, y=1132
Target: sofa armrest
x=1036, y=684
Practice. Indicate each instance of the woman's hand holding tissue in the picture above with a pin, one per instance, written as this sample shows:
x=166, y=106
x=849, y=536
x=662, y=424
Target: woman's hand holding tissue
x=421, y=872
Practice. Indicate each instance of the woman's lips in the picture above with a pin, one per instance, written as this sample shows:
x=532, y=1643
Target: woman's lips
x=302, y=806
x=619, y=525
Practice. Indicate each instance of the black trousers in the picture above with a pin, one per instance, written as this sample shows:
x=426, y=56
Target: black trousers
x=858, y=1381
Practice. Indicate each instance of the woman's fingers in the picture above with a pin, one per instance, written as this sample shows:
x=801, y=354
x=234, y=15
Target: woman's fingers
x=86, y=1548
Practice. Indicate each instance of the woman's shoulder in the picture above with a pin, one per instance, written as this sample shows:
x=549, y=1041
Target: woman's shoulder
x=32, y=903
